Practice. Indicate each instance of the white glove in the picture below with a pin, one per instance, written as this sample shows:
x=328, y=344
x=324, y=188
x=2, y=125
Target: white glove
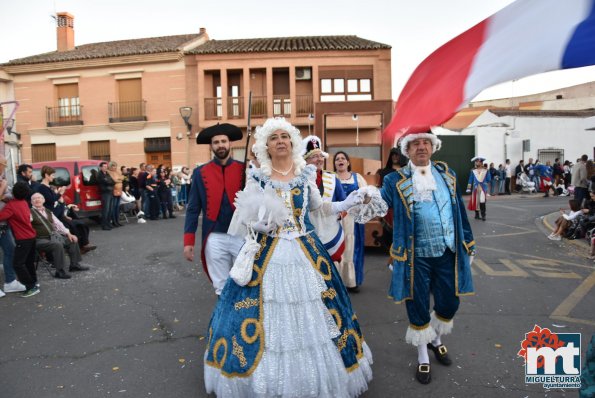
x=352, y=200
x=263, y=227
x=471, y=258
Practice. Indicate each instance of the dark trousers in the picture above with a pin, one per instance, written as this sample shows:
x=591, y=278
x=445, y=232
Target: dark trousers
x=57, y=251
x=436, y=276
x=580, y=194
x=482, y=208
x=166, y=203
x=507, y=185
x=106, y=207
x=78, y=228
x=115, y=209
x=153, y=205
x=24, y=262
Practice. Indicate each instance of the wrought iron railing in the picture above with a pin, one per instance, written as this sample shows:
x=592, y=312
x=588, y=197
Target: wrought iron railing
x=213, y=108
x=304, y=105
x=127, y=111
x=259, y=106
x=235, y=107
x=69, y=115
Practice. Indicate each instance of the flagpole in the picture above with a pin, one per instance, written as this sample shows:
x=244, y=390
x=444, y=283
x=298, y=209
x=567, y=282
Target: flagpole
x=248, y=134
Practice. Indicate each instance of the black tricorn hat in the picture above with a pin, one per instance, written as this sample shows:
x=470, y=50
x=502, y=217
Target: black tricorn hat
x=233, y=132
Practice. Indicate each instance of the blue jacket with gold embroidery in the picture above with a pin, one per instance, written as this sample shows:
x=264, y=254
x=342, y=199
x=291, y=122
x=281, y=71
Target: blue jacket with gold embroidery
x=397, y=192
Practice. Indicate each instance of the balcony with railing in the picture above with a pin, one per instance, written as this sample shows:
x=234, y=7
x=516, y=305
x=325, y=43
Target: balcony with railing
x=304, y=105
x=235, y=107
x=259, y=106
x=127, y=111
x=213, y=108
x=69, y=115
x=281, y=105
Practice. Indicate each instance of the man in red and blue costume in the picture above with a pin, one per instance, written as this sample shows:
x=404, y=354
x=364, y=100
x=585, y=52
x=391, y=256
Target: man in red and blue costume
x=212, y=192
x=329, y=229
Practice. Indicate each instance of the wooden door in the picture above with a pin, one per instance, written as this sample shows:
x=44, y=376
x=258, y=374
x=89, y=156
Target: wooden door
x=157, y=158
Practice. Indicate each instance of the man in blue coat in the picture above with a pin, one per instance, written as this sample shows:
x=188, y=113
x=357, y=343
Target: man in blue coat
x=432, y=248
x=212, y=192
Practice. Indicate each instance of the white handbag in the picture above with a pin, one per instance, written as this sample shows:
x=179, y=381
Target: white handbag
x=241, y=272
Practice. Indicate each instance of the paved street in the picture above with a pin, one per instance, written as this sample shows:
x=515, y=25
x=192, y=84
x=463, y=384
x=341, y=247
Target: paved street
x=134, y=325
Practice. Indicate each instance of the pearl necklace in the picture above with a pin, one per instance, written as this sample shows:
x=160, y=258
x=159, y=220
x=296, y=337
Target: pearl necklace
x=283, y=173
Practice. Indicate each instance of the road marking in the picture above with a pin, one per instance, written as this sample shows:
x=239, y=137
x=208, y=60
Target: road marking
x=510, y=234
x=513, y=270
x=537, y=267
x=563, y=310
x=589, y=267
x=507, y=207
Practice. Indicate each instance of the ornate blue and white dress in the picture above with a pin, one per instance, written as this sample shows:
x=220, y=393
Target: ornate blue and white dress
x=351, y=267
x=291, y=331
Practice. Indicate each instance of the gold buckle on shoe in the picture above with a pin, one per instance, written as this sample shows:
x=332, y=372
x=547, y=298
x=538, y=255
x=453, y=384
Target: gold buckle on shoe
x=442, y=350
x=424, y=368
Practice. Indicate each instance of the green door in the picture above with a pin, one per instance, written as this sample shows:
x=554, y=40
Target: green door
x=457, y=151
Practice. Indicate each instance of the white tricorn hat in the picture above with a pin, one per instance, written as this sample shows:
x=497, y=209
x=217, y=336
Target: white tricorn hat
x=410, y=137
x=311, y=145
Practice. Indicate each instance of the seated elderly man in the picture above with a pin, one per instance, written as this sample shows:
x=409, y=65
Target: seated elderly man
x=54, y=238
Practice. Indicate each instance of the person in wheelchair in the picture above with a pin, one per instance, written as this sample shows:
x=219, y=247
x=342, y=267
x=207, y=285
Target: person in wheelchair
x=54, y=238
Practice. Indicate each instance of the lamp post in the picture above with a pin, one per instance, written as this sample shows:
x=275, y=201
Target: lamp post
x=185, y=113
x=355, y=118
x=310, y=118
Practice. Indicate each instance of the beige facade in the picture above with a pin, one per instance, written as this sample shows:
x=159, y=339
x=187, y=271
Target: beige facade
x=121, y=100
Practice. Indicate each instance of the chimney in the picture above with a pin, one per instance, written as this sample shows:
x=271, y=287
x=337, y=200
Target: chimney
x=202, y=31
x=65, y=31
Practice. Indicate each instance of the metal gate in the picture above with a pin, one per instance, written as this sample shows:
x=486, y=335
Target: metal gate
x=457, y=151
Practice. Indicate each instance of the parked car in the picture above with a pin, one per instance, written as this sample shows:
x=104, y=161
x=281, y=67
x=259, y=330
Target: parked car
x=80, y=179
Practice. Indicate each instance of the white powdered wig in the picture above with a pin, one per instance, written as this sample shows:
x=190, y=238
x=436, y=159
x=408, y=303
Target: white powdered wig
x=260, y=147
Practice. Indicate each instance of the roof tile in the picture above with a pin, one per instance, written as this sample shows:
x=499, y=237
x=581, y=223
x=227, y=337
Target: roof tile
x=288, y=44
x=118, y=48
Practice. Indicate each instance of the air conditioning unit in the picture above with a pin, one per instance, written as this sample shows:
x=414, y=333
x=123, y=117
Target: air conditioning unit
x=303, y=73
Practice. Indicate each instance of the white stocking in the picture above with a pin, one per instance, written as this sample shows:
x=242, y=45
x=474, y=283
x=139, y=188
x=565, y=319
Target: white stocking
x=422, y=354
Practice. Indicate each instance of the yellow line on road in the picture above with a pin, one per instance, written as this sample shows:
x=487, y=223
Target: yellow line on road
x=563, y=310
x=590, y=267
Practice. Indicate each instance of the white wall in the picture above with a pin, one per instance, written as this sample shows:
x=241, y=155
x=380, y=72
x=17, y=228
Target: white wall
x=564, y=133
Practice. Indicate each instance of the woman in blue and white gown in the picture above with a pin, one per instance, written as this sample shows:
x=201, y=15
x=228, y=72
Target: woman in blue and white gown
x=290, y=331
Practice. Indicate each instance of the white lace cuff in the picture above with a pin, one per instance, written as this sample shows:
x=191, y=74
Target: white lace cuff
x=377, y=207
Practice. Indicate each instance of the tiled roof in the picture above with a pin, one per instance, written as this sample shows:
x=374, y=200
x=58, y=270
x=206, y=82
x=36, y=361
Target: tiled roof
x=282, y=44
x=543, y=113
x=118, y=48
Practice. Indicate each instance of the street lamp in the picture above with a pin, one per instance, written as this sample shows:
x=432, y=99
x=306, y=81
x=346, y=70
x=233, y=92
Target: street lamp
x=9, y=126
x=310, y=118
x=186, y=112
x=355, y=118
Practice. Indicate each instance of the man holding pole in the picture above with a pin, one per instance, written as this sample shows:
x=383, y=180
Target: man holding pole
x=213, y=189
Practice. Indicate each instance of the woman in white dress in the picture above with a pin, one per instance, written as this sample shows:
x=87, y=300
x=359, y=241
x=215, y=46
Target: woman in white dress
x=290, y=331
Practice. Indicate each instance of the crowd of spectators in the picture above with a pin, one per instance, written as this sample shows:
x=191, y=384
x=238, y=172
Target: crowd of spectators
x=36, y=221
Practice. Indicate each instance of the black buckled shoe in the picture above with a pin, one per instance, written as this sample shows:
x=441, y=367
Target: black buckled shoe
x=441, y=354
x=78, y=267
x=423, y=373
x=61, y=274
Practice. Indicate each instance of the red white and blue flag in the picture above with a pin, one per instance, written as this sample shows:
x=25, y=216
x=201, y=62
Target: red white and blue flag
x=525, y=38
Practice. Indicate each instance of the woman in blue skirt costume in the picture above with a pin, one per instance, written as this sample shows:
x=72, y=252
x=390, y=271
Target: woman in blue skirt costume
x=351, y=267
x=290, y=330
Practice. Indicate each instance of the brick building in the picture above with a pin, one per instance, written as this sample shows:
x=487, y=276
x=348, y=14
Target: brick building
x=120, y=100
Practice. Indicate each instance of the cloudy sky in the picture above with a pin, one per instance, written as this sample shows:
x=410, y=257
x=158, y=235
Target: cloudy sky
x=413, y=28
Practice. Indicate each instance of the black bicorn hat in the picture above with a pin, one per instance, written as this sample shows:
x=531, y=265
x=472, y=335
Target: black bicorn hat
x=234, y=133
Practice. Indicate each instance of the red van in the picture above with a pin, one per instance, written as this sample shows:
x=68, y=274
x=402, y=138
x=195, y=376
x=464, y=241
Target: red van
x=80, y=179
